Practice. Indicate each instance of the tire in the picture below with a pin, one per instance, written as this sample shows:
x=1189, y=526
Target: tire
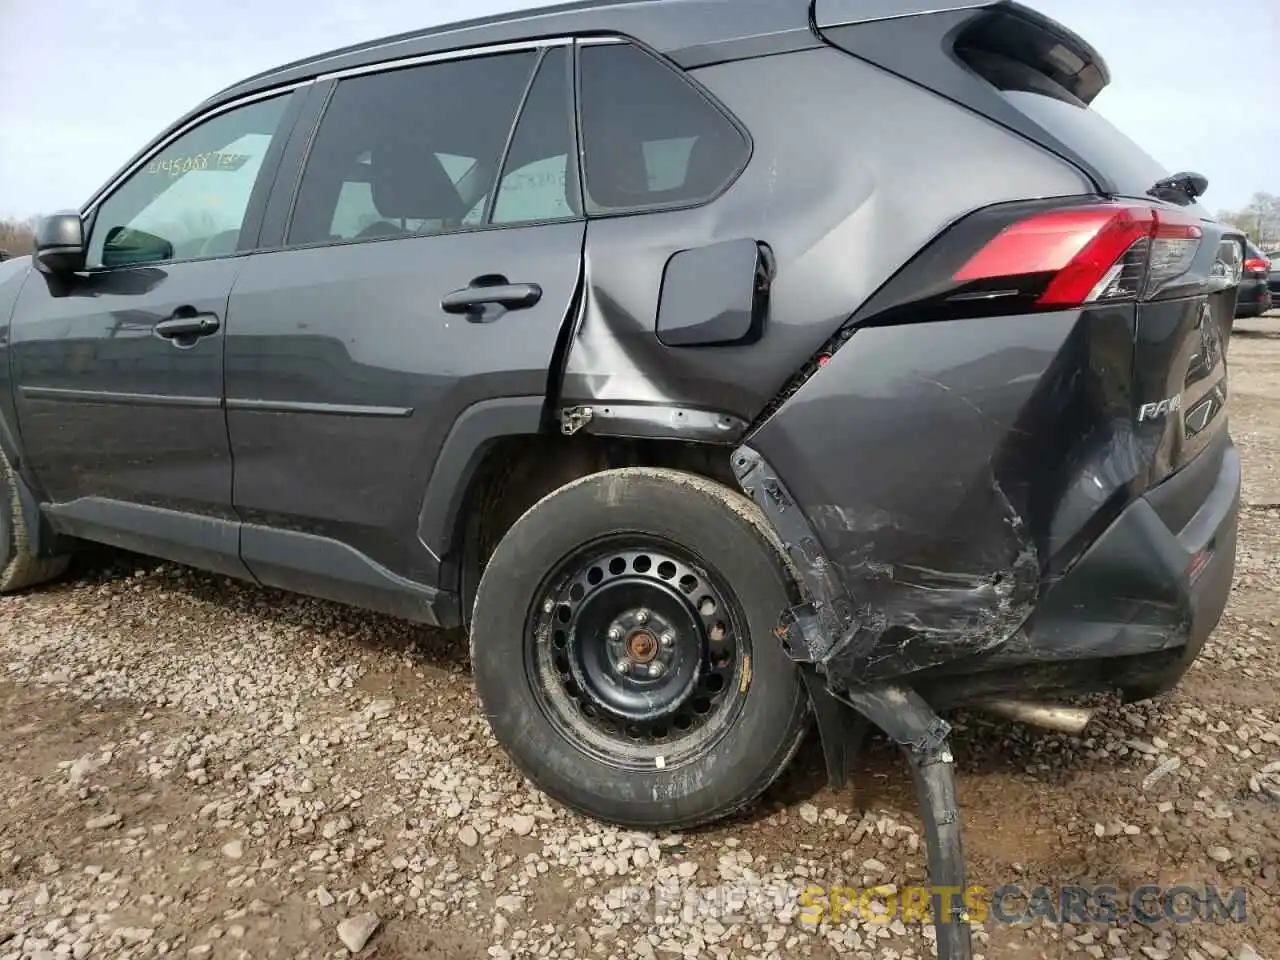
x=19, y=567
x=698, y=753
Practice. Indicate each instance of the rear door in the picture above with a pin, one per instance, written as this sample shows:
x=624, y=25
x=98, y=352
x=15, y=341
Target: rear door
x=405, y=289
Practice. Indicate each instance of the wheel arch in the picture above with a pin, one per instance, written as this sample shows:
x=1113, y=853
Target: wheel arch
x=41, y=537
x=502, y=456
x=538, y=463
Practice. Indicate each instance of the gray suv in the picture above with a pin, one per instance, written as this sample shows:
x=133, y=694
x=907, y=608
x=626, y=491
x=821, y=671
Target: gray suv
x=719, y=365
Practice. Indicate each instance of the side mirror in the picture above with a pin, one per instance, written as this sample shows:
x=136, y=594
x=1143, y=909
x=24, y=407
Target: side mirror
x=125, y=246
x=59, y=244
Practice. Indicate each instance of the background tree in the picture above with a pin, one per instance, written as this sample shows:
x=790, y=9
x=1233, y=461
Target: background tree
x=16, y=236
x=1260, y=219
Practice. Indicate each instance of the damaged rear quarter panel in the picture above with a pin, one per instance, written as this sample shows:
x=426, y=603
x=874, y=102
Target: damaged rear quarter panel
x=942, y=467
x=842, y=191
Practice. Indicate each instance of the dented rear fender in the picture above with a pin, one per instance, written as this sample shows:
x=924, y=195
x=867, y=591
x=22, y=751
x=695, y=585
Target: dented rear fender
x=950, y=472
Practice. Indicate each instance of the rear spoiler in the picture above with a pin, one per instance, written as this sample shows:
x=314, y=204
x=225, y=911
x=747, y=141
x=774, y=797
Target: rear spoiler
x=999, y=28
x=970, y=50
x=1018, y=33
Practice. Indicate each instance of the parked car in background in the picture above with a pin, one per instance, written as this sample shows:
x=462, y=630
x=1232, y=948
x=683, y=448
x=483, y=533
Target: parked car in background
x=4, y=255
x=1273, y=275
x=1254, y=297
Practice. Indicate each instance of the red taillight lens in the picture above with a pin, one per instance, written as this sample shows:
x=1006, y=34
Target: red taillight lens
x=1257, y=265
x=1101, y=252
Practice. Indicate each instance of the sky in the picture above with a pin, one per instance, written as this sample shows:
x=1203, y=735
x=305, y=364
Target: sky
x=85, y=83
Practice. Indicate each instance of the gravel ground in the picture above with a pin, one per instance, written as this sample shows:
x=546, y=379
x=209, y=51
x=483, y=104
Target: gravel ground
x=196, y=767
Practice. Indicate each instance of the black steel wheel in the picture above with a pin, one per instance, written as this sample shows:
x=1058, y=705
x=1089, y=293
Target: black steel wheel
x=638, y=652
x=622, y=641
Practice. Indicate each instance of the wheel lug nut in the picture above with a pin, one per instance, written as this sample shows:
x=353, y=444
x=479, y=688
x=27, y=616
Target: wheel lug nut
x=622, y=666
x=615, y=633
x=548, y=605
x=642, y=616
x=655, y=669
x=667, y=639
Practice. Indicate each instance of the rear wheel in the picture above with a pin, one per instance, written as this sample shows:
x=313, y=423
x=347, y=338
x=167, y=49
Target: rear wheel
x=623, y=647
x=19, y=567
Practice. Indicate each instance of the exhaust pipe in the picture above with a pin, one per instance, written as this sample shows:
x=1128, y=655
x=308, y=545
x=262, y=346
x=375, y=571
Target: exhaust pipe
x=1050, y=716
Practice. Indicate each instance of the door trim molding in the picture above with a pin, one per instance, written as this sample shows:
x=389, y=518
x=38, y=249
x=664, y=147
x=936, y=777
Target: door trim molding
x=304, y=406
x=73, y=395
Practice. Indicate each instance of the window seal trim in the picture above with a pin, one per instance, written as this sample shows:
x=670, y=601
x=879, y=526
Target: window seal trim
x=176, y=261
x=300, y=170
x=574, y=159
x=462, y=53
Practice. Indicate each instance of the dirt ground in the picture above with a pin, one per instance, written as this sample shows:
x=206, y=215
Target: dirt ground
x=196, y=767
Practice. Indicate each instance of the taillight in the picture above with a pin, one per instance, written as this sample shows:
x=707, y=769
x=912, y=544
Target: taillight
x=1088, y=254
x=1257, y=265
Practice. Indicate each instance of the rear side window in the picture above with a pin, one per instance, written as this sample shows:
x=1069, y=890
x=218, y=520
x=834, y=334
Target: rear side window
x=650, y=138
x=410, y=152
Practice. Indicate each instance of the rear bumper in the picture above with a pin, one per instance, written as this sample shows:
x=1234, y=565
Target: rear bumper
x=987, y=508
x=1131, y=615
x=1134, y=613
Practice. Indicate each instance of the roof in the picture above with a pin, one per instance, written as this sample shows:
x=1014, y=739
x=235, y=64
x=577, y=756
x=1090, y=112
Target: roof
x=692, y=32
x=668, y=26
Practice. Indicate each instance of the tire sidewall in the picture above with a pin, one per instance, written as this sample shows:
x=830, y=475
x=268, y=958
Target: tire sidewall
x=7, y=497
x=716, y=528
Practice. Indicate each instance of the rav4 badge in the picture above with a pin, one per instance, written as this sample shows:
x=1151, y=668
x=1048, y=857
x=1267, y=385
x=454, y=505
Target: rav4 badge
x=1154, y=411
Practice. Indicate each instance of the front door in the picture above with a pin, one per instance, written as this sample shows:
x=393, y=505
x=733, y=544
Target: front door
x=118, y=370
x=407, y=290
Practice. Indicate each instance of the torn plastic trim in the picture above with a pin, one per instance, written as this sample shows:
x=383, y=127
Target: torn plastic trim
x=652, y=421
x=925, y=739
x=808, y=631
x=942, y=616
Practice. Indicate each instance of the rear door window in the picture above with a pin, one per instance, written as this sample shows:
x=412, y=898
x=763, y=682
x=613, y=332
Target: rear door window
x=650, y=137
x=410, y=152
x=539, y=179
